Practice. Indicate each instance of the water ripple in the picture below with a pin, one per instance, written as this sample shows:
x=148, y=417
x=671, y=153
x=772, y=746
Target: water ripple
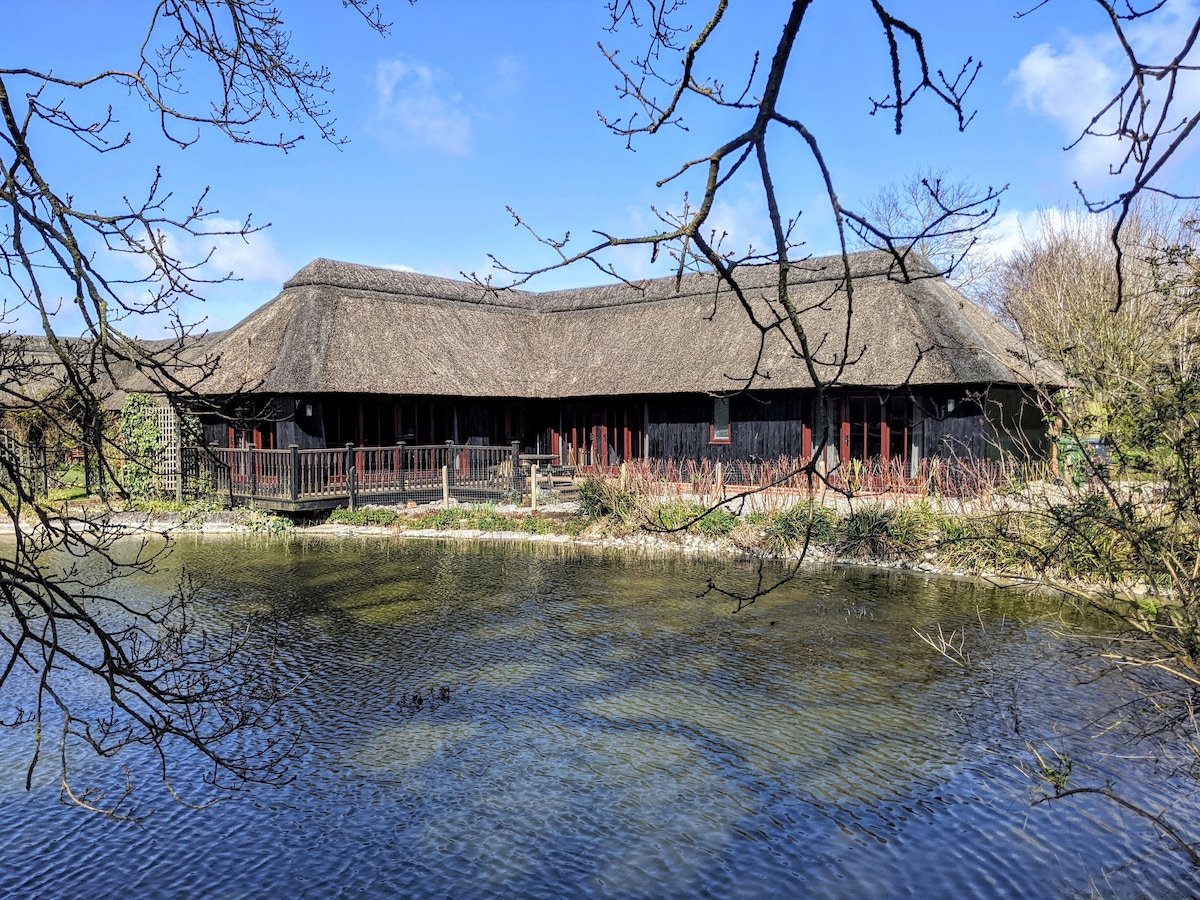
x=513, y=722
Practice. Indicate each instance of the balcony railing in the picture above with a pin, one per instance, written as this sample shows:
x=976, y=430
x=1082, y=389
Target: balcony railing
x=298, y=479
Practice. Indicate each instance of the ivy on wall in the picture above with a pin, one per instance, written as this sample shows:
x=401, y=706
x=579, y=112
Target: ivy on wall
x=142, y=445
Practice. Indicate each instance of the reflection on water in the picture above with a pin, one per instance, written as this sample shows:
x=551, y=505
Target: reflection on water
x=589, y=725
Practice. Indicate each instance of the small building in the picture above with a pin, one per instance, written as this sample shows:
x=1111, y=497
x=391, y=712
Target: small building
x=663, y=369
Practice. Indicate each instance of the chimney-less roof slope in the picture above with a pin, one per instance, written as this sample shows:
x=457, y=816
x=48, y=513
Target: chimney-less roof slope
x=343, y=328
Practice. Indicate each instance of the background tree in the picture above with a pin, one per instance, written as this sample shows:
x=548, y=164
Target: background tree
x=1060, y=288
x=161, y=678
x=942, y=220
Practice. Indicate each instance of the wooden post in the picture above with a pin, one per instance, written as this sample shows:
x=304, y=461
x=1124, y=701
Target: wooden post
x=350, y=479
x=252, y=472
x=720, y=481
x=294, y=452
x=445, y=487
x=400, y=462
x=178, y=437
x=45, y=467
x=624, y=477
x=517, y=478
x=533, y=474
x=450, y=461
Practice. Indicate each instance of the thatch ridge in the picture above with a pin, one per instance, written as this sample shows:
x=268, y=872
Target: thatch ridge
x=342, y=328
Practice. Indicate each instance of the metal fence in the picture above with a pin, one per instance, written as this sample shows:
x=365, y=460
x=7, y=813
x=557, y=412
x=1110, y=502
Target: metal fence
x=399, y=474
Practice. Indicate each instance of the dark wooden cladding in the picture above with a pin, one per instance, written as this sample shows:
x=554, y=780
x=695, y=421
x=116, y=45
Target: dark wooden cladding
x=762, y=426
x=304, y=427
x=954, y=428
x=903, y=426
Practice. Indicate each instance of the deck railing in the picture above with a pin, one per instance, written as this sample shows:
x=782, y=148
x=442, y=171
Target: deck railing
x=354, y=475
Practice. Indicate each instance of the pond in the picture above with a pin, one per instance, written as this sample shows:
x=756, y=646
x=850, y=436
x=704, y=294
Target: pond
x=597, y=728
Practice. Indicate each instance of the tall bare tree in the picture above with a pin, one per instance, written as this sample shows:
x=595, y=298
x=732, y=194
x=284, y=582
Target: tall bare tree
x=164, y=680
x=940, y=219
x=1060, y=288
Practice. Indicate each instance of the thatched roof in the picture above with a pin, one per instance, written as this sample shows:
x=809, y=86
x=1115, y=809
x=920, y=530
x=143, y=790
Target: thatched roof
x=32, y=370
x=343, y=328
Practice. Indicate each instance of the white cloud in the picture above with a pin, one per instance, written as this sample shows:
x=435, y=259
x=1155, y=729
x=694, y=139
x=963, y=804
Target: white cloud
x=740, y=225
x=413, y=108
x=250, y=258
x=1068, y=86
x=1071, y=81
x=507, y=78
x=1007, y=229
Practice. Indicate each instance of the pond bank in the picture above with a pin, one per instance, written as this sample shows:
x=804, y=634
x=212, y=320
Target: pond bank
x=595, y=536
x=914, y=538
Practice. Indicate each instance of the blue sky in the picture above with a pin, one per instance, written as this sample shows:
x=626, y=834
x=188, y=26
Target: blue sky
x=469, y=107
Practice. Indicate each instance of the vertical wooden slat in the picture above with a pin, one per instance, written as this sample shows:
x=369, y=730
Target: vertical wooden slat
x=294, y=478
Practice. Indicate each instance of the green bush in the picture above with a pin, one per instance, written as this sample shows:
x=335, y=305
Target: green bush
x=675, y=515
x=485, y=518
x=718, y=523
x=476, y=518
x=686, y=515
x=1086, y=540
x=865, y=533
x=363, y=516
x=800, y=525
x=540, y=525
x=142, y=447
x=603, y=499
x=445, y=519
x=262, y=522
x=910, y=529
x=1014, y=543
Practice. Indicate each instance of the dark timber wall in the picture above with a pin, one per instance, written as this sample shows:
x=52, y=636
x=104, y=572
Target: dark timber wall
x=761, y=425
x=946, y=423
x=301, y=423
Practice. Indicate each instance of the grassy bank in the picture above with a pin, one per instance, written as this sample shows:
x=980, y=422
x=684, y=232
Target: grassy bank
x=1055, y=541
x=1068, y=540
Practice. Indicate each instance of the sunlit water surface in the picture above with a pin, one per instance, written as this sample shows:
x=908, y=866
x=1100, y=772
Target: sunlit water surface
x=610, y=733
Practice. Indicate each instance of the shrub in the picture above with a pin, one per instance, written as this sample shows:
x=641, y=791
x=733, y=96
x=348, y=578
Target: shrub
x=603, y=499
x=485, y=518
x=142, y=445
x=692, y=516
x=363, y=516
x=1003, y=542
x=262, y=522
x=674, y=516
x=718, y=523
x=910, y=529
x=800, y=525
x=865, y=533
x=540, y=525
x=445, y=519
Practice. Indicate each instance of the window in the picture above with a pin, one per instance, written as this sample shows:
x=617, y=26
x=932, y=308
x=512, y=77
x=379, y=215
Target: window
x=719, y=432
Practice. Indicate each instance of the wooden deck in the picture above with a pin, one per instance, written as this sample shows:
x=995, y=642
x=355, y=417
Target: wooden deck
x=295, y=480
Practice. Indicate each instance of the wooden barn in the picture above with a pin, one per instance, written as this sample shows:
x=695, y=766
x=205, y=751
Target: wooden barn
x=350, y=354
